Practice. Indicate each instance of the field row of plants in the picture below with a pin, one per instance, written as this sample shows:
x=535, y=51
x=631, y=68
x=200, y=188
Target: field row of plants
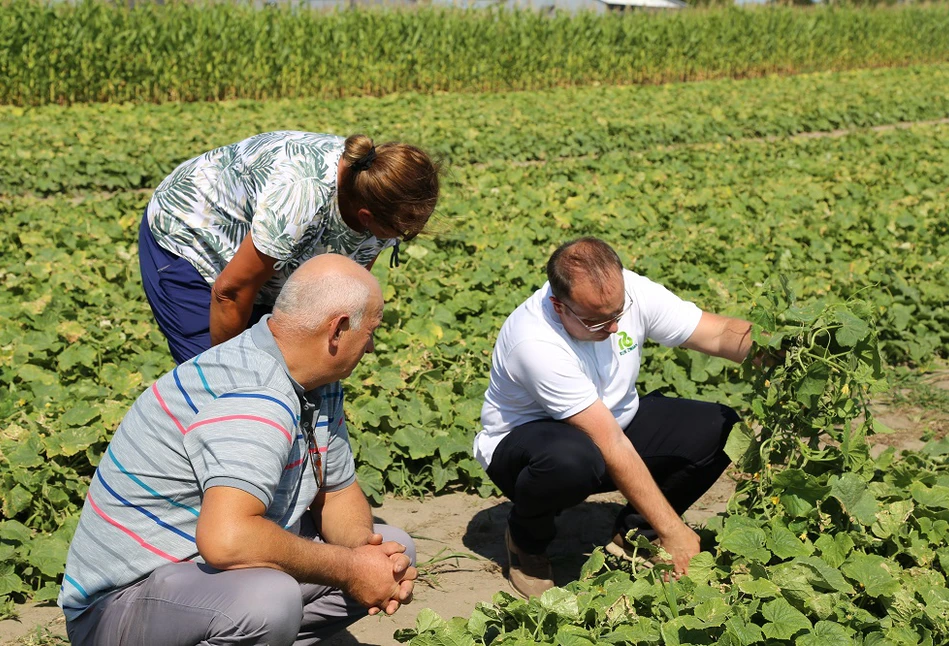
x=865, y=215
x=88, y=148
x=102, y=51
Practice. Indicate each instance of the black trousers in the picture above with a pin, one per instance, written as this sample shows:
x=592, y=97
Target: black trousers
x=547, y=466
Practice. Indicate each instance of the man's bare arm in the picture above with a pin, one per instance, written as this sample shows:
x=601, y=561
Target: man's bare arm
x=233, y=534
x=343, y=517
x=634, y=481
x=721, y=336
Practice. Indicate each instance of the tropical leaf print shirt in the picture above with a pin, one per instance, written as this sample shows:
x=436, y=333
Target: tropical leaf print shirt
x=280, y=187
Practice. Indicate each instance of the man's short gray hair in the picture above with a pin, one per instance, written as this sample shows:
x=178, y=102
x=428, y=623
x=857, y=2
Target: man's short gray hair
x=587, y=257
x=306, y=302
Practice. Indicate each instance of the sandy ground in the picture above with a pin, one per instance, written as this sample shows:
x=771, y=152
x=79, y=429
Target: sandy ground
x=472, y=529
x=453, y=524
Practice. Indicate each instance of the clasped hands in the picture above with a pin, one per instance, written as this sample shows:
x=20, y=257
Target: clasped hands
x=383, y=576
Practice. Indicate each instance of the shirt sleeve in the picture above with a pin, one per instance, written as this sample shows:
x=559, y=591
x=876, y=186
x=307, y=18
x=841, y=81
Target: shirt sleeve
x=242, y=442
x=552, y=377
x=666, y=318
x=340, y=465
x=290, y=206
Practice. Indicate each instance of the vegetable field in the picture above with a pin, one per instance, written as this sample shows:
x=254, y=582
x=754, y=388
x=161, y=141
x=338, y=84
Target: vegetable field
x=836, y=246
x=102, y=51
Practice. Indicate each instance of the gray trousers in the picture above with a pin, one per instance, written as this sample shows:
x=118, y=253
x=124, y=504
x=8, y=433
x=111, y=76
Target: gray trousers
x=192, y=604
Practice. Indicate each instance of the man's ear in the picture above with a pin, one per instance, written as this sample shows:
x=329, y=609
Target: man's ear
x=338, y=325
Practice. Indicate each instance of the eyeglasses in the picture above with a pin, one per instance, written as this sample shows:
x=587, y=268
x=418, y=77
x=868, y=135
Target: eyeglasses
x=314, y=457
x=597, y=327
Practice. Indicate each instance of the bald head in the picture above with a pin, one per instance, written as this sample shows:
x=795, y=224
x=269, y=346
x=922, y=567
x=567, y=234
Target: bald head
x=582, y=260
x=325, y=287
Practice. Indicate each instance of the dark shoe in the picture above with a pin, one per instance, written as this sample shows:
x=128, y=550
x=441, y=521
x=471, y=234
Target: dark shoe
x=530, y=574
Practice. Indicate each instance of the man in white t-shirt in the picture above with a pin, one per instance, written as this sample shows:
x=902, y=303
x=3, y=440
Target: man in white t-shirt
x=562, y=418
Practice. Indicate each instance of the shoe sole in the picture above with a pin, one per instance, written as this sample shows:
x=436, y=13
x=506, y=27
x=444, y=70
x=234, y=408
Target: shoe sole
x=518, y=592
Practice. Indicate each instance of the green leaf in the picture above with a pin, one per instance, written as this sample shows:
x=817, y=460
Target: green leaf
x=739, y=444
x=853, y=494
x=744, y=540
x=478, y=622
x=805, y=314
x=785, y=545
x=26, y=455
x=560, y=602
x=71, y=441
x=825, y=633
x=795, y=579
x=873, y=574
x=371, y=482
x=573, y=636
x=785, y=620
x=834, y=549
x=812, y=384
x=713, y=612
x=799, y=492
x=593, y=565
x=374, y=452
x=419, y=443
x=78, y=354
x=79, y=415
x=685, y=630
x=447, y=635
x=10, y=581
x=30, y=374
x=428, y=619
x=48, y=554
x=702, y=568
x=643, y=631
x=759, y=588
x=16, y=500
x=823, y=576
x=935, y=497
x=743, y=632
x=852, y=330
x=49, y=592
x=12, y=531
x=891, y=520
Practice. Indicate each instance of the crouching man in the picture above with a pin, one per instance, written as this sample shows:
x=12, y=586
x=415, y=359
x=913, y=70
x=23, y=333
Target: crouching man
x=562, y=419
x=226, y=509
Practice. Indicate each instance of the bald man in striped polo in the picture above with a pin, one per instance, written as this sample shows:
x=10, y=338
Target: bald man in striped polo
x=226, y=508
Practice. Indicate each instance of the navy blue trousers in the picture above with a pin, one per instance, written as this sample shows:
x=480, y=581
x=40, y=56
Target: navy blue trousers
x=547, y=466
x=179, y=296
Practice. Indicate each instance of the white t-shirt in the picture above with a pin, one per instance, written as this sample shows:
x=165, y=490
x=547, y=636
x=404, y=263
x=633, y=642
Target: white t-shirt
x=539, y=371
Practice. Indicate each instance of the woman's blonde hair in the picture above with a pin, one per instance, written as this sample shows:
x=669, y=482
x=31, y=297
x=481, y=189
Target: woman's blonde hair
x=397, y=183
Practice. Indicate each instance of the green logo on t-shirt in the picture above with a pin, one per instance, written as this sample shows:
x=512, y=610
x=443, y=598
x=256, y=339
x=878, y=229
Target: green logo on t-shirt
x=626, y=343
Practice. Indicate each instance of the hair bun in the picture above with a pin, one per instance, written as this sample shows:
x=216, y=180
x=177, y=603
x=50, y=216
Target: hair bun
x=365, y=162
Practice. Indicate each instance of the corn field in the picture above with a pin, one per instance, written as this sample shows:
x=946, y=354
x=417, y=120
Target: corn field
x=94, y=51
